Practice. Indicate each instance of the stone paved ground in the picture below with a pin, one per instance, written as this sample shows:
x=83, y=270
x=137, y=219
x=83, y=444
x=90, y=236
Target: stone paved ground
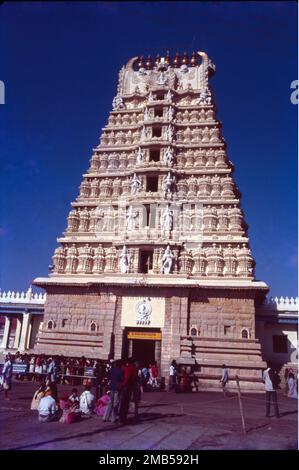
x=168, y=421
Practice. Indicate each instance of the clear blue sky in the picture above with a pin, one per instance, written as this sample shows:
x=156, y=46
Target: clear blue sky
x=59, y=63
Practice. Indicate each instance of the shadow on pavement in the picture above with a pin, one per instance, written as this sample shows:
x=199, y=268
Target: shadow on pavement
x=143, y=417
x=285, y=413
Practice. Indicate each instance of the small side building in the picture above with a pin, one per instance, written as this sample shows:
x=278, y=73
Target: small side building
x=277, y=330
x=21, y=317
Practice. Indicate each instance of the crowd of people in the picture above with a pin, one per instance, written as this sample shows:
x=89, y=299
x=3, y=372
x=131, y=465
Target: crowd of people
x=68, y=370
x=116, y=383
x=125, y=382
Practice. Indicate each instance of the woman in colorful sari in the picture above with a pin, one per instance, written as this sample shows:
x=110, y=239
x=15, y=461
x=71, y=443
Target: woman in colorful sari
x=102, y=404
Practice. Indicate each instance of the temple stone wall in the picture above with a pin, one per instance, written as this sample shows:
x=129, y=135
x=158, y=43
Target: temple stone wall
x=90, y=324
x=222, y=316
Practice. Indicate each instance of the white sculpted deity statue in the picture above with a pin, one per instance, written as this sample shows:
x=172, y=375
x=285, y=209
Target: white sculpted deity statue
x=135, y=184
x=167, y=184
x=205, y=97
x=146, y=114
x=124, y=260
x=168, y=156
x=169, y=133
x=184, y=68
x=150, y=97
x=139, y=156
x=118, y=103
x=170, y=113
x=162, y=79
x=143, y=134
x=166, y=219
x=167, y=261
x=169, y=96
x=131, y=218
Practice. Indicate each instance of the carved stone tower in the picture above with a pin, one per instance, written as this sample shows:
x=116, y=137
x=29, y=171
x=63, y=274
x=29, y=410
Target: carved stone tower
x=155, y=260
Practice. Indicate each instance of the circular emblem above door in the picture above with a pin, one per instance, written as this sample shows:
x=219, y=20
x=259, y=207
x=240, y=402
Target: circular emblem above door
x=143, y=312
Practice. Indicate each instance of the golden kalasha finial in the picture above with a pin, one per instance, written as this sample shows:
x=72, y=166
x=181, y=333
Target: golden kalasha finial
x=149, y=62
x=141, y=62
x=185, y=59
x=176, y=60
x=158, y=59
x=193, y=60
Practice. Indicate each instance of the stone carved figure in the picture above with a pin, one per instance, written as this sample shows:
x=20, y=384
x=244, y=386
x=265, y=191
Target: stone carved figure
x=150, y=98
x=135, y=184
x=131, y=218
x=169, y=133
x=214, y=135
x=107, y=221
x=167, y=261
x=143, y=133
x=59, y=260
x=118, y=103
x=162, y=79
x=167, y=184
x=146, y=114
x=169, y=96
x=143, y=310
x=96, y=219
x=168, y=156
x=124, y=260
x=139, y=156
x=184, y=68
x=206, y=135
x=166, y=219
x=73, y=221
x=170, y=113
x=205, y=97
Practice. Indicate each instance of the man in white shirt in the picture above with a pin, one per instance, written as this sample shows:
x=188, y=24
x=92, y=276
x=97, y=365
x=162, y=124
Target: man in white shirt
x=87, y=401
x=47, y=408
x=172, y=376
x=269, y=381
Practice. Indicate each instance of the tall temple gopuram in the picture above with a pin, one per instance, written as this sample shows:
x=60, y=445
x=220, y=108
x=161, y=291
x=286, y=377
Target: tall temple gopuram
x=155, y=260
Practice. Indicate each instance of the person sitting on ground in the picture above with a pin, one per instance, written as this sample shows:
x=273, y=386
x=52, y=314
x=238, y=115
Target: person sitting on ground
x=39, y=394
x=102, y=403
x=74, y=397
x=64, y=402
x=87, y=401
x=48, y=409
x=70, y=411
